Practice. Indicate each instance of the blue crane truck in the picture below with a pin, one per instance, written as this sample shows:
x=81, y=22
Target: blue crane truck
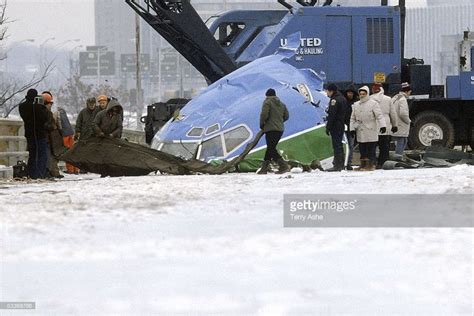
x=348, y=45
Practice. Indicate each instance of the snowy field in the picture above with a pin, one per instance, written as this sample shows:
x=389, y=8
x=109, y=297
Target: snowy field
x=215, y=245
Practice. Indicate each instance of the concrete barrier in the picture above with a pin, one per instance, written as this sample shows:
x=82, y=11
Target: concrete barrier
x=12, y=142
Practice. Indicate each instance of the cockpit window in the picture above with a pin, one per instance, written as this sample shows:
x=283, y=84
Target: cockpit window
x=185, y=150
x=235, y=138
x=195, y=132
x=227, y=32
x=212, y=148
x=212, y=129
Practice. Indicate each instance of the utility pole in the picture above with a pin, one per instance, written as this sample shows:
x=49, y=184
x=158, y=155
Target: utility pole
x=139, y=77
x=98, y=67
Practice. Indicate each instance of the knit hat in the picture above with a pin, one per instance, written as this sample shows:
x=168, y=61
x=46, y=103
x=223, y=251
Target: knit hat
x=270, y=93
x=406, y=87
x=351, y=88
x=31, y=94
x=90, y=101
x=102, y=98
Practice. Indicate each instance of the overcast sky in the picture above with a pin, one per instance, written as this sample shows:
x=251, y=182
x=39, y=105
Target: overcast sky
x=43, y=19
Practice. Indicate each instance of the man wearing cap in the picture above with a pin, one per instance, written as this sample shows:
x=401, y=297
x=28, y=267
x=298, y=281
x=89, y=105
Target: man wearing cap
x=335, y=124
x=85, y=120
x=400, y=104
x=103, y=100
x=34, y=115
x=390, y=116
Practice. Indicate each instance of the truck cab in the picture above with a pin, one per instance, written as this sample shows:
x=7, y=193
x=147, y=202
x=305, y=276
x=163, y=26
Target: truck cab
x=351, y=45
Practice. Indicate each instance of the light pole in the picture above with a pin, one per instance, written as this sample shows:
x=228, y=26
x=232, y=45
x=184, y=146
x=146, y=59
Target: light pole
x=71, y=59
x=138, y=74
x=41, y=48
x=99, y=52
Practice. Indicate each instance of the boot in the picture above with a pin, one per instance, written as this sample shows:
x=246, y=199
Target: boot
x=363, y=165
x=337, y=167
x=370, y=165
x=282, y=166
x=349, y=167
x=264, y=168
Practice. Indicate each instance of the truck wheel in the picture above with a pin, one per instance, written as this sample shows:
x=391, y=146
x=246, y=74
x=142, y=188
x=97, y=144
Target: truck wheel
x=431, y=125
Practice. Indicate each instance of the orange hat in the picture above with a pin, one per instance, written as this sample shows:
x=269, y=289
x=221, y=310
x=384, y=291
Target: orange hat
x=101, y=98
x=47, y=98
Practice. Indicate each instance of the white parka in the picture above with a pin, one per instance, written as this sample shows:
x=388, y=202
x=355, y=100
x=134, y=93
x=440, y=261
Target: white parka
x=400, y=105
x=367, y=119
x=388, y=110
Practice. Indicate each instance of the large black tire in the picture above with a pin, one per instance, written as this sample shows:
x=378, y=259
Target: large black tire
x=428, y=126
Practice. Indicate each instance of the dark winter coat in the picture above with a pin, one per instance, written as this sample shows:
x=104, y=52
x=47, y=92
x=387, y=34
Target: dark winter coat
x=274, y=114
x=347, y=119
x=85, y=123
x=35, y=117
x=107, y=122
x=336, y=113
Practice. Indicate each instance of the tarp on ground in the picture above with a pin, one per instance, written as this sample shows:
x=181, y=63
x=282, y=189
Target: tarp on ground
x=116, y=157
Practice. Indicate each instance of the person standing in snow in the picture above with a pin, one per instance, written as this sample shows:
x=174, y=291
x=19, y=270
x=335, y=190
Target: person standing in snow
x=85, y=121
x=367, y=122
x=34, y=115
x=352, y=97
x=68, y=135
x=335, y=125
x=272, y=122
x=400, y=104
x=390, y=116
x=55, y=140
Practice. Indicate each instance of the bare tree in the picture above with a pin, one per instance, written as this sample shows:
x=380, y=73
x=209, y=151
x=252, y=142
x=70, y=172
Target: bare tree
x=73, y=94
x=10, y=90
x=3, y=24
x=8, y=97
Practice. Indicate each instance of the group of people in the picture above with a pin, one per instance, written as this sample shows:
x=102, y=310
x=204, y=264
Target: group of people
x=372, y=120
x=49, y=133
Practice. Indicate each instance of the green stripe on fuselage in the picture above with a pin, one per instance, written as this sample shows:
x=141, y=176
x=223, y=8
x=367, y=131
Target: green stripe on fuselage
x=303, y=148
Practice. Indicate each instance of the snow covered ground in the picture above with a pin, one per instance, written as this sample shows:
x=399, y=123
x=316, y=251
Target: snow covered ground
x=215, y=245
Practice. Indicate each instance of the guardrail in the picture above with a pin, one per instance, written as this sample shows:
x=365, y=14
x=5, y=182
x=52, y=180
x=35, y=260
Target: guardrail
x=13, y=143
